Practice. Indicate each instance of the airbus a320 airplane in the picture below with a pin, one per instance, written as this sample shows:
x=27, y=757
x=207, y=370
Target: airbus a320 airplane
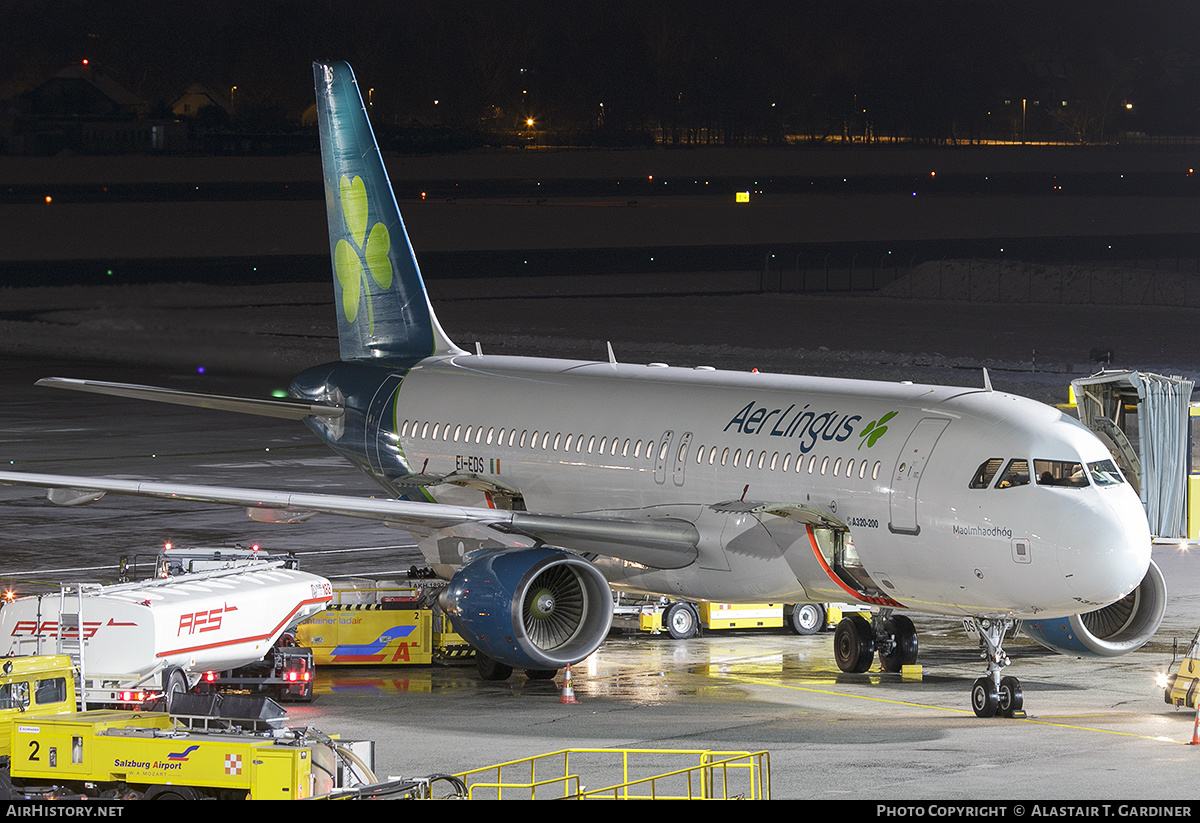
x=535, y=484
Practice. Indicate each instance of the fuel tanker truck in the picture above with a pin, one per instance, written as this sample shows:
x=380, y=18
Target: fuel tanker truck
x=134, y=641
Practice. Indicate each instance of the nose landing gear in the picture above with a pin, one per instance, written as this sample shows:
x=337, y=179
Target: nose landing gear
x=993, y=695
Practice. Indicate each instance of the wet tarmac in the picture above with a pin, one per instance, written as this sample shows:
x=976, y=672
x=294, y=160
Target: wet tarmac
x=1095, y=729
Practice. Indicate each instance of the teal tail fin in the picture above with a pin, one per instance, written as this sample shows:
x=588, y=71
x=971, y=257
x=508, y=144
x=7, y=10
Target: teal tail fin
x=383, y=310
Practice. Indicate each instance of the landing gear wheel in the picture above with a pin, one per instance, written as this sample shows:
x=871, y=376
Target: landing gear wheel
x=853, y=644
x=491, y=669
x=985, y=698
x=1012, y=699
x=682, y=621
x=807, y=618
x=904, y=648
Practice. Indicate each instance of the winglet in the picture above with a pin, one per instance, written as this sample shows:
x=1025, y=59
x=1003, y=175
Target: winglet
x=383, y=311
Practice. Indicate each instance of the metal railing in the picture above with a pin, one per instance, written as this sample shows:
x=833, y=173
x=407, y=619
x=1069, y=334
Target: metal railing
x=557, y=775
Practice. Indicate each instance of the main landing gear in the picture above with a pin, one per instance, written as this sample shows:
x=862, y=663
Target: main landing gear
x=993, y=695
x=856, y=639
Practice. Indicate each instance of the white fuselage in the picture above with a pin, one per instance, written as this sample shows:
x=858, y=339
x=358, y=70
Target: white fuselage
x=889, y=464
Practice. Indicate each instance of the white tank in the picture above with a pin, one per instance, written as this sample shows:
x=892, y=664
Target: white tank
x=194, y=622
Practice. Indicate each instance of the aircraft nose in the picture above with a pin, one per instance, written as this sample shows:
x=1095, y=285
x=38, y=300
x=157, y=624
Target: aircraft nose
x=1104, y=552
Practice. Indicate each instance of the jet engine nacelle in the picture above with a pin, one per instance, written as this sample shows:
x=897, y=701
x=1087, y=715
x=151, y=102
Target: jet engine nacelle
x=1116, y=629
x=531, y=608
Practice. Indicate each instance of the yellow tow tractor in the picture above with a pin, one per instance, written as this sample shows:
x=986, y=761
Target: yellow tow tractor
x=1179, y=687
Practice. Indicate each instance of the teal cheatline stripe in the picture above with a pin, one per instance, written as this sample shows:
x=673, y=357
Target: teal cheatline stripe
x=383, y=310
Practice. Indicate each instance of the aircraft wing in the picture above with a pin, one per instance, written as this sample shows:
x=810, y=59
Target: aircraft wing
x=657, y=542
x=287, y=409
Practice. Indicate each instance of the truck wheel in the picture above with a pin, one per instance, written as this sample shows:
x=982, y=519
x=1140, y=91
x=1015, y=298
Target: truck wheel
x=175, y=684
x=682, y=621
x=807, y=618
x=174, y=793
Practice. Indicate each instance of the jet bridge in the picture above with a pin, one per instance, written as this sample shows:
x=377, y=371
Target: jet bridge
x=1147, y=420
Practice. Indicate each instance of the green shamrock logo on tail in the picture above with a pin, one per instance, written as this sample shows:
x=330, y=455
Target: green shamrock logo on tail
x=363, y=253
x=874, y=430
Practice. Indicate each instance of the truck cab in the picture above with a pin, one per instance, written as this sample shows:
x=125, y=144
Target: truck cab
x=33, y=686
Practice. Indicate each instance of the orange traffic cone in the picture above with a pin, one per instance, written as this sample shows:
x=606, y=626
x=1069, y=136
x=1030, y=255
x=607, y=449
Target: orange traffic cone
x=1196, y=727
x=568, y=693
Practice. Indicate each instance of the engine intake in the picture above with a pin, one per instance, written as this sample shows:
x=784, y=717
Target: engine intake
x=536, y=608
x=1118, y=628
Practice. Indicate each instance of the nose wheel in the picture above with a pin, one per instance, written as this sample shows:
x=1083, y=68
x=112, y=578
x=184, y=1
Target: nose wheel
x=993, y=695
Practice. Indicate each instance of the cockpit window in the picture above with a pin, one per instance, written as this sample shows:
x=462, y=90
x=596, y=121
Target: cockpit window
x=986, y=471
x=1015, y=474
x=1104, y=473
x=1060, y=473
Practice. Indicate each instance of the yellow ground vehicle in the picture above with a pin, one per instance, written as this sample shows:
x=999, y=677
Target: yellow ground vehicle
x=154, y=755
x=1180, y=687
x=52, y=750
x=682, y=620
x=34, y=686
x=366, y=635
x=383, y=623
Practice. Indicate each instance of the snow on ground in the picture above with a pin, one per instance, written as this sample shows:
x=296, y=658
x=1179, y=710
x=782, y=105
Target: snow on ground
x=921, y=328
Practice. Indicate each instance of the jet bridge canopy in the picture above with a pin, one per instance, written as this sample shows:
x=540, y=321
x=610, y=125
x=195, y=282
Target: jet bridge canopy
x=1143, y=418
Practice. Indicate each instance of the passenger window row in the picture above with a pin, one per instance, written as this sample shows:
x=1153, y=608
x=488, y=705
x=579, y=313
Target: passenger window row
x=758, y=459
x=591, y=444
x=557, y=441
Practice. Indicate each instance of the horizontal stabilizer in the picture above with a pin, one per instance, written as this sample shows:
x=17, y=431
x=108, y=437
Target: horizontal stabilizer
x=287, y=409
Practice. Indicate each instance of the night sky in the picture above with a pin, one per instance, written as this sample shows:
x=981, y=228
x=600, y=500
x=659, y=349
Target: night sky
x=912, y=69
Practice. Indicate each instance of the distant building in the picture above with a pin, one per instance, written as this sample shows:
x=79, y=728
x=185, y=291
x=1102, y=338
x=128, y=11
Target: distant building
x=83, y=110
x=82, y=91
x=197, y=97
